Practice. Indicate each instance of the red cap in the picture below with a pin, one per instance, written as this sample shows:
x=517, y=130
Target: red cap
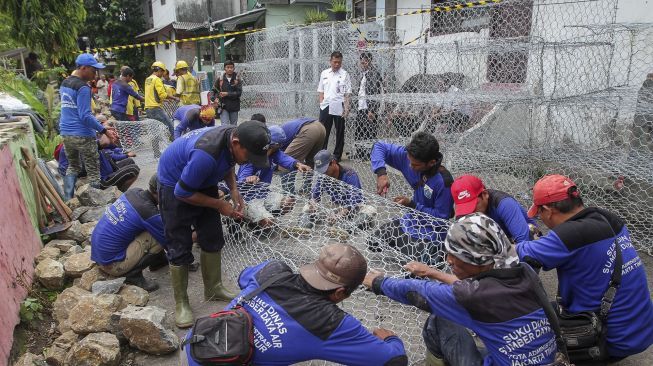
x=549, y=189
x=465, y=191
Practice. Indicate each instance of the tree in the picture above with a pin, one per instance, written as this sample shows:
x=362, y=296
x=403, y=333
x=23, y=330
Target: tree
x=117, y=22
x=49, y=27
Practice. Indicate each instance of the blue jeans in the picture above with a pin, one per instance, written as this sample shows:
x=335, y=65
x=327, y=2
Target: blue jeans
x=451, y=342
x=160, y=115
x=228, y=118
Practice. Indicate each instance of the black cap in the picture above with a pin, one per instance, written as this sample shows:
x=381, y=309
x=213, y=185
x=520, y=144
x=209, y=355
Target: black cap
x=255, y=137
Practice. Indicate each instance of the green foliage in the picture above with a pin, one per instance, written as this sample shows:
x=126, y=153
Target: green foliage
x=51, y=75
x=117, y=22
x=338, y=6
x=45, y=145
x=7, y=41
x=30, y=309
x=48, y=27
x=316, y=16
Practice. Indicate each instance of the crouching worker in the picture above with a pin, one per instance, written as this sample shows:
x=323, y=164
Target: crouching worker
x=308, y=323
x=351, y=212
x=253, y=183
x=490, y=293
x=129, y=237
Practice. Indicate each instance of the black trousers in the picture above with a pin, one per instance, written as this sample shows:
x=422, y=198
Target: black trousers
x=178, y=217
x=328, y=120
x=366, y=129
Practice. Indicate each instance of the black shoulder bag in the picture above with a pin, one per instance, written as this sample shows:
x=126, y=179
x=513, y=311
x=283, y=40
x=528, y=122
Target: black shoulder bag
x=562, y=357
x=585, y=333
x=226, y=337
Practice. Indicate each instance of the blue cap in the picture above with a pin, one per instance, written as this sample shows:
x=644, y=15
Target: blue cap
x=86, y=59
x=277, y=134
x=322, y=160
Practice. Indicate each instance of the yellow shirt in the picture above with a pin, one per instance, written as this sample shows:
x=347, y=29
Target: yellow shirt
x=155, y=92
x=131, y=101
x=188, y=89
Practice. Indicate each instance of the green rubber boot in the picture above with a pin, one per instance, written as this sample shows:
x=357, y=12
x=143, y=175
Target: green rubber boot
x=432, y=360
x=211, y=265
x=183, y=312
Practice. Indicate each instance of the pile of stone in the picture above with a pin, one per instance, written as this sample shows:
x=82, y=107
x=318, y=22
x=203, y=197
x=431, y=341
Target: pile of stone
x=98, y=313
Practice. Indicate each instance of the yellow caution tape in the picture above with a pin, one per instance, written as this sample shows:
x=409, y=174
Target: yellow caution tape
x=435, y=9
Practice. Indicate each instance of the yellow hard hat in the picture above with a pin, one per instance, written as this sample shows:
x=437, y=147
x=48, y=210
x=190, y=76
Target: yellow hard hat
x=181, y=64
x=159, y=64
x=207, y=113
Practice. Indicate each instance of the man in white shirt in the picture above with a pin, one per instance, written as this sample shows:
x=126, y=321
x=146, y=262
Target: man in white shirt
x=334, y=88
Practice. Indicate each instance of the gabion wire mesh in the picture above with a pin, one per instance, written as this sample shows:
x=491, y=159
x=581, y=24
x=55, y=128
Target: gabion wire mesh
x=512, y=91
x=147, y=138
x=302, y=224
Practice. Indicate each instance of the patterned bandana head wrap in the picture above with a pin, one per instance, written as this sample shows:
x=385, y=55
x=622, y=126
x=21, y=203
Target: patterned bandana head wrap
x=477, y=239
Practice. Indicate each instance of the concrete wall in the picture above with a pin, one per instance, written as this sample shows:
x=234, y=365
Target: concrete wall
x=285, y=14
x=163, y=14
x=19, y=241
x=196, y=11
x=167, y=56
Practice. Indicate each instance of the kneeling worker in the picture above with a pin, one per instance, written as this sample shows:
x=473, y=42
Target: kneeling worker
x=129, y=237
x=193, y=117
x=490, y=294
x=311, y=325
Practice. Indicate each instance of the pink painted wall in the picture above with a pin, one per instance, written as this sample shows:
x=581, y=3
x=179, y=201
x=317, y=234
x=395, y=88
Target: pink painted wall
x=19, y=245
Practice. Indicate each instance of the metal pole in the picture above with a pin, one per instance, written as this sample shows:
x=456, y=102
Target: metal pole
x=365, y=10
x=22, y=60
x=198, y=51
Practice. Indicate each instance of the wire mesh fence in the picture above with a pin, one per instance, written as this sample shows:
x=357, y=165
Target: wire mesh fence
x=512, y=90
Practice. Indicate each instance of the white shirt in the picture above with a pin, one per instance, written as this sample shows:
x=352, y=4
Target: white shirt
x=362, y=102
x=334, y=85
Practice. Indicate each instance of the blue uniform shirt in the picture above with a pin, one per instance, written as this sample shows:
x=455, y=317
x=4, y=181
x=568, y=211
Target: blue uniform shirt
x=198, y=160
x=301, y=325
x=130, y=215
x=76, y=116
x=291, y=128
x=510, y=215
x=340, y=194
x=515, y=333
x=189, y=119
x=250, y=192
x=120, y=92
x=430, y=194
x=582, y=252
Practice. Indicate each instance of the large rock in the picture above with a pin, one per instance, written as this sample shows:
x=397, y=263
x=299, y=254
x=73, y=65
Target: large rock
x=93, y=313
x=64, y=303
x=74, y=232
x=76, y=249
x=134, y=295
x=55, y=355
x=107, y=287
x=87, y=230
x=92, y=214
x=30, y=359
x=48, y=252
x=63, y=245
x=97, y=349
x=50, y=274
x=73, y=203
x=89, y=196
x=143, y=327
x=91, y=276
x=78, y=212
x=77, y=264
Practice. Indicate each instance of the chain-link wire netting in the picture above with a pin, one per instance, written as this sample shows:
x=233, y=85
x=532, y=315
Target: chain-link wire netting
x=293, y=227
x=146, y=138
x=512, y=90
